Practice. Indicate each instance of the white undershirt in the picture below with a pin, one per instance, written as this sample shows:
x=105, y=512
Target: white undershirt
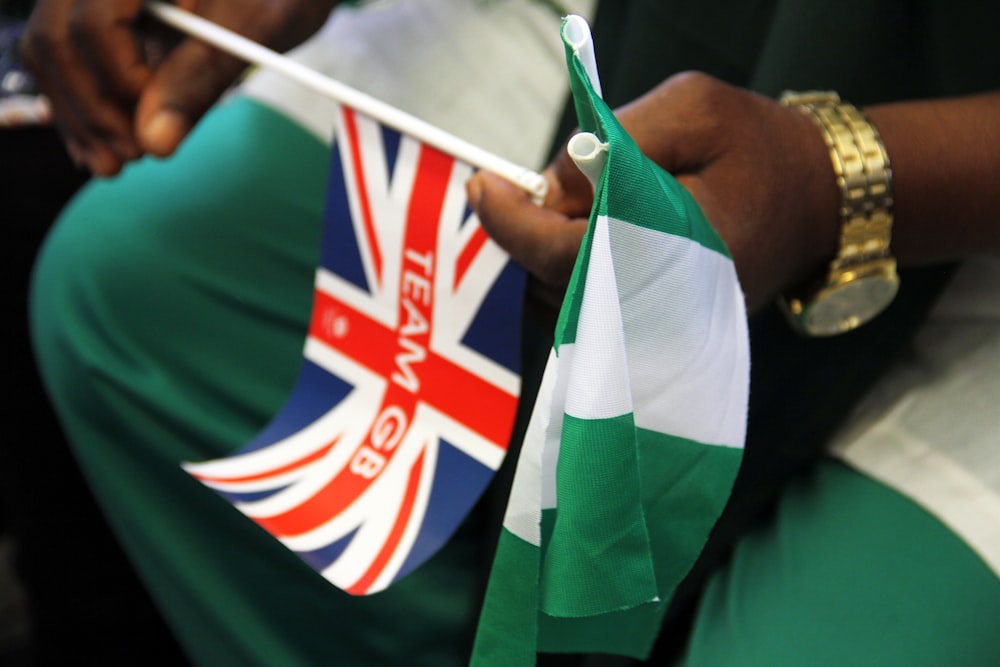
x=931, y=428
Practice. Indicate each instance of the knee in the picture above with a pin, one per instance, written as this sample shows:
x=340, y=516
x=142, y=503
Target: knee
x=91, y=270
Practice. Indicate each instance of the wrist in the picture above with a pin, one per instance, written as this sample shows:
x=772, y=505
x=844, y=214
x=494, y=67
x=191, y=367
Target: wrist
x=818, y=218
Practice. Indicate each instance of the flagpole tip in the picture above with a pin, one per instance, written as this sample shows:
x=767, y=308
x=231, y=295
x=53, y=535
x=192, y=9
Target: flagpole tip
x=576, y=31
x=534, y=184
x=589, y=154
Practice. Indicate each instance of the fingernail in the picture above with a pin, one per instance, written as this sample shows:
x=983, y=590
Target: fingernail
x=163, y=132
x=103, y=163
x=76, y=154
x=125, y=149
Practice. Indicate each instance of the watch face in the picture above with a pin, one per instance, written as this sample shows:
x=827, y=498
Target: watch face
x=849, y=305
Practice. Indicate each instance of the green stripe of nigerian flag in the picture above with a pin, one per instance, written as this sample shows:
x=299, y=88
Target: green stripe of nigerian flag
x=637, y=435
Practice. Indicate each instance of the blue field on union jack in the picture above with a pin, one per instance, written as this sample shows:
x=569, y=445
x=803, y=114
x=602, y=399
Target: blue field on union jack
x=410, y=380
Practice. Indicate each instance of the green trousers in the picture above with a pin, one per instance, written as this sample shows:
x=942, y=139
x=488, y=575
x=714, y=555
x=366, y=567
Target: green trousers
x=848, y=572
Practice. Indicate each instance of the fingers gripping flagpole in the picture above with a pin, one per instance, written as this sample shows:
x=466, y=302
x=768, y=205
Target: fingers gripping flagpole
x=251, y=52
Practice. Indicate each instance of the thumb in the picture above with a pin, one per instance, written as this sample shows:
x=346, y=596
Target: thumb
x=543, y=241
x=185, y=85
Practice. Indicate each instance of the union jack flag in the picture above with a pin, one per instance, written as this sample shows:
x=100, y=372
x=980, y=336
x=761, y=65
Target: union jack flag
x=410, y=382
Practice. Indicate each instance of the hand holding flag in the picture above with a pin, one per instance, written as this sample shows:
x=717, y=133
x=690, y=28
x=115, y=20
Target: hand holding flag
x=637, y=435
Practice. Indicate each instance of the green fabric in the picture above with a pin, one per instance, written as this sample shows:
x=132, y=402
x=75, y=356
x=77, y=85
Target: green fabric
x=592, y=570
x=849, y=573
x=675, y=476
x=520, y=621
x=182, y=313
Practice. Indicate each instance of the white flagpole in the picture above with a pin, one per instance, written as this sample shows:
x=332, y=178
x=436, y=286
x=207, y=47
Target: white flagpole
x=254, y=53
x=588, y=152
x=577, y=33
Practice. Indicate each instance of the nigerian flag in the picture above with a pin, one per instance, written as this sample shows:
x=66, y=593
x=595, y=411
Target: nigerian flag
x=637, y=434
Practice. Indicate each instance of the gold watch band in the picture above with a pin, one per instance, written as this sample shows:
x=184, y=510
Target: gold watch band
x=861, y=280
x=863, y=173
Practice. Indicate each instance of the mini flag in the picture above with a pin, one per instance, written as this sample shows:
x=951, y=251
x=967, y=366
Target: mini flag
x=406, y=399
x=636, y=438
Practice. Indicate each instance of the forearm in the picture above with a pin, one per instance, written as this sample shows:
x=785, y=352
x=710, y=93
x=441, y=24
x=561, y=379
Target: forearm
x=945, y=158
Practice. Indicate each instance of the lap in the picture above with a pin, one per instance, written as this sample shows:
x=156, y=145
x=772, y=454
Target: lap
x=848, y=573
x=202, y=264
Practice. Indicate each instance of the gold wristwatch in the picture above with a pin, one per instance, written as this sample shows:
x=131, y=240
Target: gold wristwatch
x=862, y=278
